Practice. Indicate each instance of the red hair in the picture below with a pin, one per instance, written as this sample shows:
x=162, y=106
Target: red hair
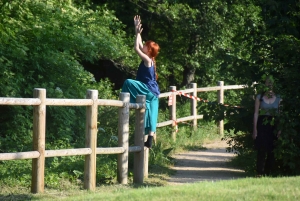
x=153, y=49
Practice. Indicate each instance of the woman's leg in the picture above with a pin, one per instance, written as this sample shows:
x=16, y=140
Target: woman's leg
x=152, y=121
x=138, y=88
x=134, y=88
x=260, y=162
x=149, y=141
x=269, y=162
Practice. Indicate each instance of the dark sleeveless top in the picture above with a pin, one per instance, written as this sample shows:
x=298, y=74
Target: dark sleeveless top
x=269, y=109
x=147, y=76
x=265, y=128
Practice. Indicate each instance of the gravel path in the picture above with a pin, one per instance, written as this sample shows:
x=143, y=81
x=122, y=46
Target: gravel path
x=204, y=165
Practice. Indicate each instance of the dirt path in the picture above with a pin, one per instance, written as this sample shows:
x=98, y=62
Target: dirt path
x=204, y=165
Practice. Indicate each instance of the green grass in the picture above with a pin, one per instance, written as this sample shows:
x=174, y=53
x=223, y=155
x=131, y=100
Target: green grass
x=15, y=180
x=281, y=188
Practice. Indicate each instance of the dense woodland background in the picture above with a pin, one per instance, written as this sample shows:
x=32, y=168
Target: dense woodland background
x=70, y=46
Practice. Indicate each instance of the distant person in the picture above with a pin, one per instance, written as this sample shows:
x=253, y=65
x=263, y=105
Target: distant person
x=145, y=83
x=264, y=127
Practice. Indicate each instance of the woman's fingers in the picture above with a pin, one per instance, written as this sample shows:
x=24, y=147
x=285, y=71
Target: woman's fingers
x=139, y=28
x=137, y=24
x=137, y=20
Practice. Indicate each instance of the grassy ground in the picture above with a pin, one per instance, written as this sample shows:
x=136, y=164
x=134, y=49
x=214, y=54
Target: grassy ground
x=284, y=188
x=13, y=187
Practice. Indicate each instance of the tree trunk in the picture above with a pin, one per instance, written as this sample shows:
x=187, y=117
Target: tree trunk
x=188, y=75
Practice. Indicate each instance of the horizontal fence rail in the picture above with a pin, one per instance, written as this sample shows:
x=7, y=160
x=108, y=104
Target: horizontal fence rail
x=90, y=151
x=20, y=101
x=68, y=102
x=19, y=155
x=193, y=91
x=92, y=102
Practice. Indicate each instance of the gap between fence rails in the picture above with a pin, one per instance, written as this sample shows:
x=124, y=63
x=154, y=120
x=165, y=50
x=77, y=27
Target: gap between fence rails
x=170, y=102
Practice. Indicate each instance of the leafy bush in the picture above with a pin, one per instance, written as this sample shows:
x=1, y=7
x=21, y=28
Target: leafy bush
x=42, y=45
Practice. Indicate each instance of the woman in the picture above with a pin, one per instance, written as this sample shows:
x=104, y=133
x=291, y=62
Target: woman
x=264, y=122
x=145, y=83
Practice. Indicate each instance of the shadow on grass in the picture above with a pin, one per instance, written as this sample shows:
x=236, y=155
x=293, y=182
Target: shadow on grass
x=194, y=148
x=245, y=162
x=17, y=197
x=158, y=176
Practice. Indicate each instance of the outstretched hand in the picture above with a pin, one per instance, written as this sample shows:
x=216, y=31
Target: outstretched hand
x=137, y=20
x=137, y=24
x=138, y=29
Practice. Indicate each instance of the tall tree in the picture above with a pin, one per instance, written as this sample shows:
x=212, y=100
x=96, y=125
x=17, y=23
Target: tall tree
x=194, y=36
x=42, y=45
x=272, y=47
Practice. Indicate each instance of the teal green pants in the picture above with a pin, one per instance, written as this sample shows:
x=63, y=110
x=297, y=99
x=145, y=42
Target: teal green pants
x=138, y=88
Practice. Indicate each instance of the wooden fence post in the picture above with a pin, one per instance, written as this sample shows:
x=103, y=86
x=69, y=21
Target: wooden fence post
x=194, y=104
x=123, y=138
x=172, y=110
x=138, y=171
x=39, y=132
x=146, y=161
x=221, y=101
x=91, y=141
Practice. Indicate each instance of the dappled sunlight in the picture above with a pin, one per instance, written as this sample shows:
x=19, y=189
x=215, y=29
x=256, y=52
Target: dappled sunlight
x=211, y=164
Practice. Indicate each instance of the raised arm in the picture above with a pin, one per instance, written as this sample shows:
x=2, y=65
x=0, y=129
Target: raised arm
x=138, y=44
x=137, y=25
x=255, y=117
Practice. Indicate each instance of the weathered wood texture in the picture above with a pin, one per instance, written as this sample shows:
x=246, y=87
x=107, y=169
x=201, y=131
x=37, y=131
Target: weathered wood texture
x=123, y=137
x=221, y=101
x=91, y=140
x=68, y=152
x=39, y=103
x=19, y=155
x=138, y=170
x=172, y=111
x=39, y=132
x=194, y=104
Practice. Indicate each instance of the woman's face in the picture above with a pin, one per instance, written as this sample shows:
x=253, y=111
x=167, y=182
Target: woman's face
x=269, y=84
x=145, y=49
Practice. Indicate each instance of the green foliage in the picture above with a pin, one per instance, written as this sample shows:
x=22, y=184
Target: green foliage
x=275, y=189
x=195, y=37
x=44, y=43
x=271, y=48
x=15, y=171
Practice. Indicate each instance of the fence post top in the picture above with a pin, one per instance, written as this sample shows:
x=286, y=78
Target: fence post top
x=140, y=98
x=92, y=90
x=124, y=96
x=39, y=89
x=92, y=94
x=125, y=93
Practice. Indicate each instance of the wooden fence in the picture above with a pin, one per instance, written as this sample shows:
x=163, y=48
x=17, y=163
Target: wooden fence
x=193, y=91
x=39, y=153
